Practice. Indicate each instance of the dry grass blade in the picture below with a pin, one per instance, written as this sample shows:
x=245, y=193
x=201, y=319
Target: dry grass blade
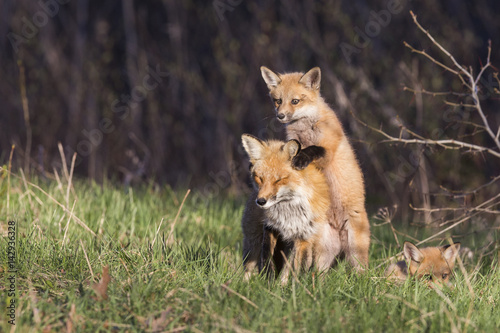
x=170, y=234
x=79, y=221
x=70, y=179
x=63, y=159
x=156, y=234
x=239, y=295
x=8, y=177
x=67, y=223
x=405, y=302
x=88, y=261
x=446, y=299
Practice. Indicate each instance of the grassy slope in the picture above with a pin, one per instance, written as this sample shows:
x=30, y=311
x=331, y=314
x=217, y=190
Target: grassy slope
x=194, y=282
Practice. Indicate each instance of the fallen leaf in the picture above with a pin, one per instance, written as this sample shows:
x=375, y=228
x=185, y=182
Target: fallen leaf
x=101, y=288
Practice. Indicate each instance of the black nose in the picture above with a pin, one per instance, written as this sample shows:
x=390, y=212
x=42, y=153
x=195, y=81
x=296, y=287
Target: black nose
x=261, y=201
x=281, y=116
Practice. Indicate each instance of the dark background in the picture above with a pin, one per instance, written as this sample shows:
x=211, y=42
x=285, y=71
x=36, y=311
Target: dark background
x=87, y=67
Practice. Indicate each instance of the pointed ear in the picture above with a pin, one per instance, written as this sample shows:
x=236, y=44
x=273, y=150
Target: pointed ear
x=312, y=79
x=253, y=146
x=292, y=147
x=450, y=252
x=272, y=79
x=412, y=253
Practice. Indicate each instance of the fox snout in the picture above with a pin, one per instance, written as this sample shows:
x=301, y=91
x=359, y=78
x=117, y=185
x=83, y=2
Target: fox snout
x=283, y=116
x=265, y=201
x=261, y=201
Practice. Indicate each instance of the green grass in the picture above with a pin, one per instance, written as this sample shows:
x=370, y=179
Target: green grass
x=194, y=281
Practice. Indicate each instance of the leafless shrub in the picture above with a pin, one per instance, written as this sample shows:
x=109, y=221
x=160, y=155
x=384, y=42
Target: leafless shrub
x=449, y=208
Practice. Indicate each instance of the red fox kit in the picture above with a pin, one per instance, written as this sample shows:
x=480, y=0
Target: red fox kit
x=287, y=213
x=312, y=122
x=432, y=263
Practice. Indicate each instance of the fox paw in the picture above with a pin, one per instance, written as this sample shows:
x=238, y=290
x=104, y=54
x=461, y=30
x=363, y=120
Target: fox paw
x=306, y=156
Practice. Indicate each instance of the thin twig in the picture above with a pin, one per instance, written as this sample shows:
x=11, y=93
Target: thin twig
x=437, y=44
x=431, y=58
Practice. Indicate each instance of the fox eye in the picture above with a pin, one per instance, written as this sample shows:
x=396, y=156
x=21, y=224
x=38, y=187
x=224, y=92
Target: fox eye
x=428, y=277
x=258, y=180
x=278, y=101
x=445, y=276
x=280, y=180
x=295, y=101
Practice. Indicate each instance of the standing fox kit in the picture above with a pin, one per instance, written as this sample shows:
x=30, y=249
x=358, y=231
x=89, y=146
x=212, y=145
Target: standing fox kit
x=287, y=213
x=432, y=263
x=312, y=122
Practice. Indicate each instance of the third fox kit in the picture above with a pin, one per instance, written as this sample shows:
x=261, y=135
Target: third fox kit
x=312, y=122
x=433, y=263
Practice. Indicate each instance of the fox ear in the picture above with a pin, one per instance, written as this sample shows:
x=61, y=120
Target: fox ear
x=272, y=79
x=292, y=147
x=312, y=79
x=253, y=146
x=450, y=252
x=412, y=253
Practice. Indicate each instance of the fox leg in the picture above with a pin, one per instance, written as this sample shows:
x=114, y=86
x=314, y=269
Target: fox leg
x=328, y=249
x=358, y=239
x=251, y=254
x=252, y=224
x=266, y=263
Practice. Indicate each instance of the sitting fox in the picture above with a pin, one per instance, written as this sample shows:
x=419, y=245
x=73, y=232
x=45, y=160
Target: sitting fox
x=434, y=264
x=286, y=216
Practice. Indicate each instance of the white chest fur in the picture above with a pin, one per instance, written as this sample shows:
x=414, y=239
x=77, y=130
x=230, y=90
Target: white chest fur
x=292, y=218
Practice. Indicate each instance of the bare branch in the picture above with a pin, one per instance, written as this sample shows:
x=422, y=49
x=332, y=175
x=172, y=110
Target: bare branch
x=434, y=93
x=473, y=191
x=447, y=144
x=448, y=54
x=431, y=59
x=488, y=63
x=469, y=73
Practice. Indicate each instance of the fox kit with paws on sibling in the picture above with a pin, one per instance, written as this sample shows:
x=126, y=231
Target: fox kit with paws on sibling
x=309, y=119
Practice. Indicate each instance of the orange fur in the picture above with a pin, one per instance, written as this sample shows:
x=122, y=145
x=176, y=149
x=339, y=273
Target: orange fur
x=311, y=121
x=293, y=221
x=434, y=264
